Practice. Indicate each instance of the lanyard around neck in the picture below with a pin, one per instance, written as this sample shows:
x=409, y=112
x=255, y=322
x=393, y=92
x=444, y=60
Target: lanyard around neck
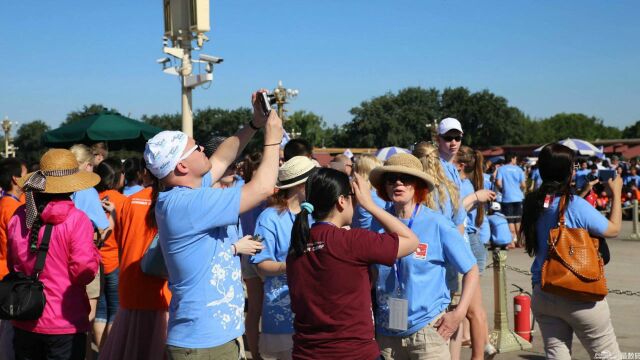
x=398, y=266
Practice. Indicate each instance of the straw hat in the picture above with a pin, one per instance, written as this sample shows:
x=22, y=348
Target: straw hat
x=403, y=164
x=60, y=170
x=294, y=172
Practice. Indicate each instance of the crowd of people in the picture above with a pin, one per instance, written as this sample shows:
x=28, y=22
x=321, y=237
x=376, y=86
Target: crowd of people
x=361, y=259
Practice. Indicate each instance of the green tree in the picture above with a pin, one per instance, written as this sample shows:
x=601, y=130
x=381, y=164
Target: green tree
x=164, y=121
x=29, y=141
x=310, y=126
x=393, y=119
x=487, y=119
x=86, y=111
x=579, y=126
x=632, y=131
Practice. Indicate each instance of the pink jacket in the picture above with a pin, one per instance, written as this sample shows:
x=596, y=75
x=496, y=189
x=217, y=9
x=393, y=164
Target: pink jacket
x=72, y=263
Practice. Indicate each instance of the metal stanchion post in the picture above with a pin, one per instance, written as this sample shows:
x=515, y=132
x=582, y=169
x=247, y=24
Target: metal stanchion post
x=635, y=235
x=503, y=338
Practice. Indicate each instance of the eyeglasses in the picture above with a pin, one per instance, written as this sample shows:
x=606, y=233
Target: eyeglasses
x=190, y=151
x=391, y=179
x=449, y=138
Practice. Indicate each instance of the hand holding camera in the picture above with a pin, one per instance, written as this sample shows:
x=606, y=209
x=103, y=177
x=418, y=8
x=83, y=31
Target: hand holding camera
x=248, y=246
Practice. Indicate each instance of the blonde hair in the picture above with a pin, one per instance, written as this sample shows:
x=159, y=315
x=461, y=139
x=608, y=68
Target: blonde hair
x=82, y=153
x=365, y=163
x=445, y=189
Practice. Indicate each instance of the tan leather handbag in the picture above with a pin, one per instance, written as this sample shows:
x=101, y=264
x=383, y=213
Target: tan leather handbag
x=574, y=268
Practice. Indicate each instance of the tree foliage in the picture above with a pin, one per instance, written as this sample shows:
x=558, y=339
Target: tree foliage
x=86, y=111
x=29, y=141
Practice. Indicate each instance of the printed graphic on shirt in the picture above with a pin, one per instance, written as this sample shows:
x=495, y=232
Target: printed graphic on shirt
x=230, y=297
x=421, y=251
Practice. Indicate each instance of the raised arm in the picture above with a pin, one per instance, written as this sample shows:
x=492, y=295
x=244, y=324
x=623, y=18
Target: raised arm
x=233, y=146
x=264, y=180
x=408, y=241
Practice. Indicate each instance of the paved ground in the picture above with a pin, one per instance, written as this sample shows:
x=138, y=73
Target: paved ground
x=622, y=273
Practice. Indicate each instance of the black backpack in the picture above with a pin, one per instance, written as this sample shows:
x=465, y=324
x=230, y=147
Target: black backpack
x=21, y=296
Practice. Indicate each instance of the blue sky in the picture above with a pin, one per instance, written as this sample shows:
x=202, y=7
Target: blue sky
x=545, y=57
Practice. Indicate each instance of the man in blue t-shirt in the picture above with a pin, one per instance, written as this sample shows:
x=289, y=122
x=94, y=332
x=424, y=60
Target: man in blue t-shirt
x=198, y=234
x=449, y=141
x=511, y=181
x=632, y=178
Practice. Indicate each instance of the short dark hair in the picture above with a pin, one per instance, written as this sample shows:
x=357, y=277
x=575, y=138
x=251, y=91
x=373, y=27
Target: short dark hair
x=297, y=147
x=9, y=168
x=510, y=156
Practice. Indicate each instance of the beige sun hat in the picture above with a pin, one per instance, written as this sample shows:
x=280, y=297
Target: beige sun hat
x=403, y=164
x=294, y=172
x=60, y=174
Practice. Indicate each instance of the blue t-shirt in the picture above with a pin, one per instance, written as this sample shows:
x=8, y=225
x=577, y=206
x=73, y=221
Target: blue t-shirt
x=458, y=217
x=361, y=217
x=512, y=177
x=500, y=233
x=466, y=189
x=485, y=230
x=196, y=229
x=453, y=175
x=130, y=190
x=488, y=184
x=536, y=178
x=632, y=179
x=422, y=274
x=88, y=201
x=275, y=228
x=579, y=214
x=249, y=218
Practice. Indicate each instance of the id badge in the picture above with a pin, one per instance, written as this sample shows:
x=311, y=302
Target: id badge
x=398, y=313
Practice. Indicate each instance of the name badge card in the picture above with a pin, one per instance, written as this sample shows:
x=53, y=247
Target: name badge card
x=398, y=313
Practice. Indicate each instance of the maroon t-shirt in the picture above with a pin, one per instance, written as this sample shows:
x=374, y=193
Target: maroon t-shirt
x=330, y=292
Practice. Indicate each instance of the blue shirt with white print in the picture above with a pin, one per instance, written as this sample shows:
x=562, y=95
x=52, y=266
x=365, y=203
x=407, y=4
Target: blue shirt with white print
x=196, y=229
x=274, y=227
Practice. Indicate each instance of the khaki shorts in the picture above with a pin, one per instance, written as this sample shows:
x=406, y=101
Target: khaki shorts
x=93, y=289
x=425, y=344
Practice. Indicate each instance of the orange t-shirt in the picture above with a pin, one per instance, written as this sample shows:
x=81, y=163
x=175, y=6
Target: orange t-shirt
x=109, y=250
x=8, y=206
x=137, y=290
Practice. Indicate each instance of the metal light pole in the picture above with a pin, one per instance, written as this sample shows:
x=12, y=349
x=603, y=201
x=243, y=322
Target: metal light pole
x=282, y=95
x=9, y=149
x=184, y=22
x=503, y=338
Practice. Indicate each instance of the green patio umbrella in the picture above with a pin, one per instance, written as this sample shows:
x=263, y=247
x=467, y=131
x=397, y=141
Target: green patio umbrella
x=110, y=127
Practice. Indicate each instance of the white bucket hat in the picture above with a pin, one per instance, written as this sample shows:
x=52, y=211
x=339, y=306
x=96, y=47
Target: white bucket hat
x=294, y=172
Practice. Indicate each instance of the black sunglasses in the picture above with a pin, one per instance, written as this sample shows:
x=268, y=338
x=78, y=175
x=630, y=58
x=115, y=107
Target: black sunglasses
x=391, y=179
x=449, y=138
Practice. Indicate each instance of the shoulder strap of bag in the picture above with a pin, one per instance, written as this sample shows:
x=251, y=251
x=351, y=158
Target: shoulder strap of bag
x=562, y=208
x=42, y=251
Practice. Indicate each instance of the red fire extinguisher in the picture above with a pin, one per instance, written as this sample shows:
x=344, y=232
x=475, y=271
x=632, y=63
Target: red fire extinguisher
x=522, y=313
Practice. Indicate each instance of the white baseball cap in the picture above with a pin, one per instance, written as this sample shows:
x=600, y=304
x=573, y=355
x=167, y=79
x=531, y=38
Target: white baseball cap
x=162, y=152
x=449, y=124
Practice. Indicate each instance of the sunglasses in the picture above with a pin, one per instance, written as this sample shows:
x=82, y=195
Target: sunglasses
x=391, y=179
x=449, y=138
x=195, y=147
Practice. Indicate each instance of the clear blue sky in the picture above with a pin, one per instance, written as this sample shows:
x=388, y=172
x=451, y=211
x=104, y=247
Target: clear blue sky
x=545, y=57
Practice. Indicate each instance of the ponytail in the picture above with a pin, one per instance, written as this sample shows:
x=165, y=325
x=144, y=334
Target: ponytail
x=478, y=184
x=300, y=233
x=472, y=161
x=322, y=189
